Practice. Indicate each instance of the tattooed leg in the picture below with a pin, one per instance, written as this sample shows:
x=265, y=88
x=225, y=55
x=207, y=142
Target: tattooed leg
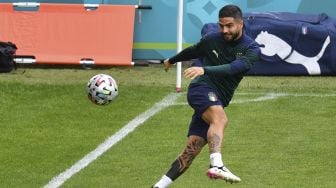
x=217, y=120
x=184, y=160
x=215, y=143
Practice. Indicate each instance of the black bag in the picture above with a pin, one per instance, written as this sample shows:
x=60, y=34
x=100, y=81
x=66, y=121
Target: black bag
x=7, y=52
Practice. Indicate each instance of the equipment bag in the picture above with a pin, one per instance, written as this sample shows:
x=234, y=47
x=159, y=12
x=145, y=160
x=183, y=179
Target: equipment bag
x=7, y=52
x=293, y=43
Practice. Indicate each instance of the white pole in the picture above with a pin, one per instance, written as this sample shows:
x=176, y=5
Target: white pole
x=179, y=45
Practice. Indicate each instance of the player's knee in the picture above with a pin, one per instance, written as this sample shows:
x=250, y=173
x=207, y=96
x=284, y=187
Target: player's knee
x=220, y=121
x=225, y=121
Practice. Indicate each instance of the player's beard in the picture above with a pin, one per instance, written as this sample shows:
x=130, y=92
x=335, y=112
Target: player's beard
x=231, y=36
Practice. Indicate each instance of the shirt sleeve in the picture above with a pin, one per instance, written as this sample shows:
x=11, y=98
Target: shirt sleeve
x=188, y=53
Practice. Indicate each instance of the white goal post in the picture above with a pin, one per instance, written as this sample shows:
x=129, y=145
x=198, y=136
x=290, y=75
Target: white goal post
x=179, y=45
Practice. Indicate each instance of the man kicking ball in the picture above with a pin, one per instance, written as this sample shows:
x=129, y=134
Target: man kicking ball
x=225, y=56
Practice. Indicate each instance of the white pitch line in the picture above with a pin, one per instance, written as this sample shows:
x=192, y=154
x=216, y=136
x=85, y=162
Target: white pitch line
x=293, y=94
x=270, y=96
x=112, y=140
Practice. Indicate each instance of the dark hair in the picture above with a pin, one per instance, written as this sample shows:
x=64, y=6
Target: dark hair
x=230, y=11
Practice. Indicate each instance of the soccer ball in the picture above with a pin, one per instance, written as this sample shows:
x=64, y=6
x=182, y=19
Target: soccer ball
x=102, y=89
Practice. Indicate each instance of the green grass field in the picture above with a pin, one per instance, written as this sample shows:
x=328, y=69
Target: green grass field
x=281, y=130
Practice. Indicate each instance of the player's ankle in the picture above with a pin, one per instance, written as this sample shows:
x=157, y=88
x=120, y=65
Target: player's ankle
x=216, y=159
x=165, y=181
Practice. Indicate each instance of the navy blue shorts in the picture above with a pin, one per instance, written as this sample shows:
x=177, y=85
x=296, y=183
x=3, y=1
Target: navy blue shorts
x=200, y=98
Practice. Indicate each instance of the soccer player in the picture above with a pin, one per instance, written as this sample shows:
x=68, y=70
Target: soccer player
x=226, y=56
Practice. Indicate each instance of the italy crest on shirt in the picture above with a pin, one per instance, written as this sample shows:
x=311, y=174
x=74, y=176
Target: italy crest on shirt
x=212, y=96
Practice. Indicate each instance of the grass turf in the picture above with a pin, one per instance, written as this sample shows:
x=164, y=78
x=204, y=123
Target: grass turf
x=48, y=124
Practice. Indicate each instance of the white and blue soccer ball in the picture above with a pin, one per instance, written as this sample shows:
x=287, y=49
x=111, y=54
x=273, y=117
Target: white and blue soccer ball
x=102, y=89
